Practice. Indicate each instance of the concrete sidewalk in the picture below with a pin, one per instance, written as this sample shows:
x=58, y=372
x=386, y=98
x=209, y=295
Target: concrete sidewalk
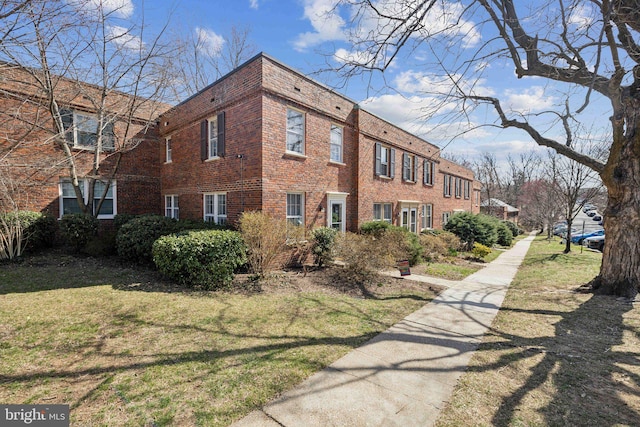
x=405, y=375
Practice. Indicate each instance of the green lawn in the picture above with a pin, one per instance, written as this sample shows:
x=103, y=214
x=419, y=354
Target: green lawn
x=124, y=348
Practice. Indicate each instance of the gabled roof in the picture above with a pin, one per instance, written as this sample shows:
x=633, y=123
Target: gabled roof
x=498, y=202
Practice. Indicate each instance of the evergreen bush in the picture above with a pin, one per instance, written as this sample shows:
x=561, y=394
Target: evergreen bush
x=78, y=229
x=135, y=238
x=203, y=259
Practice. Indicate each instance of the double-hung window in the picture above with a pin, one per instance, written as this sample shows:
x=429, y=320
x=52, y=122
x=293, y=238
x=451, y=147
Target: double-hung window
x=215, y=208
x=385, y=161
x=171, y=208
x=445, y=218
x=69, y=203
x=458, y=182
x=427, y=216
x=409, y=167
x=467, y=189
x=382, y=212
x=295, y=131
x=447, y=185
x=336, y=143
x=212, y=137
x=82, y=130
x=167, y=150
x=427, y=178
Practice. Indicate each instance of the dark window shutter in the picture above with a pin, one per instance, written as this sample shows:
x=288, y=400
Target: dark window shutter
x=392, y=162
x=67, y=123
x=378, y=165
x=415, y=169
x=204, y=140
x=221, y=132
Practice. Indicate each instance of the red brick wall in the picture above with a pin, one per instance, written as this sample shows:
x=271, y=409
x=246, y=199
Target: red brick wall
x=374, y=189
x=31, y=158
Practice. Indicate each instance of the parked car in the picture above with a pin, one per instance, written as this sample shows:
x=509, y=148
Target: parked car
x=588, y=207
x=595, y=242
x=578, y=238
x=597, y=217
x=591, y=213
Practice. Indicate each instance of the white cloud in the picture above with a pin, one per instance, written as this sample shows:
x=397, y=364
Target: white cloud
x=581, y=16
x=122, y=37
x=344, y=56
x=119, y=8
x=412, y=82
x=253, y=4
x=528, y=100
x=208, y=41
x=328, y=25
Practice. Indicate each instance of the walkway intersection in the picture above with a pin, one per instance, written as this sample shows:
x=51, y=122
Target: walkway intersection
x=405, y=375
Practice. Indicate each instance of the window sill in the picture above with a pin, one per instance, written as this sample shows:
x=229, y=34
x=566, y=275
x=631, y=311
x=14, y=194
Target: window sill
x=294, y=154
x=406, y=181
x=168, y=163
x=212, y=159
x=336, y=163
x=384, y=177
x=427, y=185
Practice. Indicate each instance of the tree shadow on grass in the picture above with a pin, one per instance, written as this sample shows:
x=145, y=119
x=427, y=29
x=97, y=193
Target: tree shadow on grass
x=593, y=381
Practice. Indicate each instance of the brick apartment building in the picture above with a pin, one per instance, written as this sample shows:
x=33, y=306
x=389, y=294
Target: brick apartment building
x=33, y=164
x=267, y=137
x=262, y=137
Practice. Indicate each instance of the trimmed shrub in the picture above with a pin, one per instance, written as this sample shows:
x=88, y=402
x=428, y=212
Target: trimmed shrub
x=200, y=259
x=322, y=245
x=480, y=251
x=515, y=231
x=135, y=238
x=266, y=240
x=505, y=236
x=195, y=224
x=78, y=229
x=472, y=228
x=374, y=228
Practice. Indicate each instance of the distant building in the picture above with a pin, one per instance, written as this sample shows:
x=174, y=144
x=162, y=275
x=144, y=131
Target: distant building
x=499, y=209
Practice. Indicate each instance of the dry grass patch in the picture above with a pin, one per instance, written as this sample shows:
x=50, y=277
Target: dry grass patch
x=125, y=348
x=554, y=355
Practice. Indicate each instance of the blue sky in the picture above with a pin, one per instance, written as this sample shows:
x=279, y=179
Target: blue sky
x=308, y=35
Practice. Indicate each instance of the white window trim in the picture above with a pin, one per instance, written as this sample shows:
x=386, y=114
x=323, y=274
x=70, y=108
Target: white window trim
x=427, y=207
x=167, y=151
x=175, y=210
x=382, y=206
x=301, y=216
x=300, y=153
x=215, y=216
x=211, y=120
x=85, y=191
x=341, y=145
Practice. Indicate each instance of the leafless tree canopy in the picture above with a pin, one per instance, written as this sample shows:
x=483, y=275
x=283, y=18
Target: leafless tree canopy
x=586, y=53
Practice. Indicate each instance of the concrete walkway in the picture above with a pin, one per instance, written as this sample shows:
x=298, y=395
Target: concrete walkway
x=405, y=375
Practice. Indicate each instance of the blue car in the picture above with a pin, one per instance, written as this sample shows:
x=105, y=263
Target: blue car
x=578, y=238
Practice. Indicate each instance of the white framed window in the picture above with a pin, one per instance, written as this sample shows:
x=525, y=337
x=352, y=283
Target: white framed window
x=383, y=212
x=171, y=208
x=445, y=218
x=336, y=143
x=295, y=211
x=167, y=150
x=458, y=187
x=385, y=164
x=295, y=131
x=428, y=168
x=81, y=130
x=69, y=203
x=477, y=197
x=215, y=208
x=212, y=138
x=447, y=185
x=427, y=216
x=409, y=167
x=467, y=189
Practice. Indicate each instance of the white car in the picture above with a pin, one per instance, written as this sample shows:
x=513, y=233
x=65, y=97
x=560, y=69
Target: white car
x=595, y=242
